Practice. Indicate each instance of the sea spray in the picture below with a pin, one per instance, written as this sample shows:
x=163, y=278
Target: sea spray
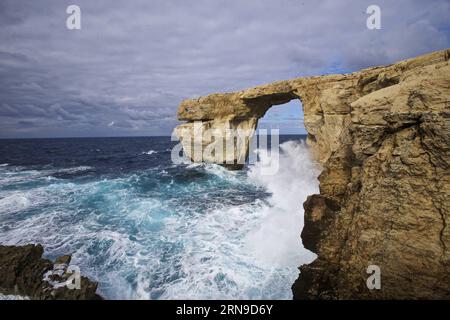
x=145, y=228
x=251, y=251
x=276, y=240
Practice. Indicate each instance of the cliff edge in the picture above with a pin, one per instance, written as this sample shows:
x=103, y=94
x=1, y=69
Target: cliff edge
x=382, y=136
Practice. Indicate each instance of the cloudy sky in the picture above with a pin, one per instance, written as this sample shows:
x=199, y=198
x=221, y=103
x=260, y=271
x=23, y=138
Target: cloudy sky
x=127, y=69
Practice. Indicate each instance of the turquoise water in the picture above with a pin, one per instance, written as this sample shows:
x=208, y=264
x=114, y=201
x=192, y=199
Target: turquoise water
x=145, y=228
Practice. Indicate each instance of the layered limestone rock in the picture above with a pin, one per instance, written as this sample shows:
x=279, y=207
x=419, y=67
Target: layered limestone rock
x=382, y=136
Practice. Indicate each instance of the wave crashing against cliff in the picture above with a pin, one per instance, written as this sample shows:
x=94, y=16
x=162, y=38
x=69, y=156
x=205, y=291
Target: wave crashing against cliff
x=209, y=234
x=383, y=137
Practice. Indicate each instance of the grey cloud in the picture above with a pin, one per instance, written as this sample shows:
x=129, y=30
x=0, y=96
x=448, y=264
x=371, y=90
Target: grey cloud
x=134, y=61
x=25, y=123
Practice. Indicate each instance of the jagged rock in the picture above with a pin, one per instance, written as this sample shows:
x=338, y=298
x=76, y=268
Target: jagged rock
x=382, y=136
x=63, y=259
x=24, y=272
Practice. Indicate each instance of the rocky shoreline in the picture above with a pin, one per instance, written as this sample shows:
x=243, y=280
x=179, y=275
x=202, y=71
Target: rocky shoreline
x=23, y=272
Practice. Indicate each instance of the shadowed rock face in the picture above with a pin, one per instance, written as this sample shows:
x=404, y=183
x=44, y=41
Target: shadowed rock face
x=24, y=272
x=382, y=136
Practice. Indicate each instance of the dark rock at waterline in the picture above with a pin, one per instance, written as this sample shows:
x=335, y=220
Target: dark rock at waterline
x=24, y=272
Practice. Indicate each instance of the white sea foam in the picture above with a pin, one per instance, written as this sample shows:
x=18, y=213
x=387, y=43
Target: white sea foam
x=13, y=297
x=150, y=152
x=249, y=251
x=18, y=175
x=4, y=165
x=14, y=202
x=191, y=165
x=221, y=172
x=71, y=170
x=139, y=246
x=276, y=239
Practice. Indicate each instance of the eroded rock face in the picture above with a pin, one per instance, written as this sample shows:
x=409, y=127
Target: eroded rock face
x=24, y=272
x=383, y=137
x=391, y=180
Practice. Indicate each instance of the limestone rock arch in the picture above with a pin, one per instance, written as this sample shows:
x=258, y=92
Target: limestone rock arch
x=382, y=135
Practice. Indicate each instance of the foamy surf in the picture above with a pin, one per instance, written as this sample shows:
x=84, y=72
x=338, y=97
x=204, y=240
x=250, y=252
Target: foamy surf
x=194, y=231
x=150, y=152
x=13, y=297
x=275, y=240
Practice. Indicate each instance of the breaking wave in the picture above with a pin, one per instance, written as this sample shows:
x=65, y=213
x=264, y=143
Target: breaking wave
x=150, y=152
x=166, y=231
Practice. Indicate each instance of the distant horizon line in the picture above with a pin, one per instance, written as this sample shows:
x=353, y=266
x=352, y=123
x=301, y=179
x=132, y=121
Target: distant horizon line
x=112, y=137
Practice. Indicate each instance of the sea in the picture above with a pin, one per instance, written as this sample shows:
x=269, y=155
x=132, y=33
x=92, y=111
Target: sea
x=144, y=227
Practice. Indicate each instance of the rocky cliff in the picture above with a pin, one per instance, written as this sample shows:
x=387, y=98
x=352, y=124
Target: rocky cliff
x=382, y=136
x=24, y=272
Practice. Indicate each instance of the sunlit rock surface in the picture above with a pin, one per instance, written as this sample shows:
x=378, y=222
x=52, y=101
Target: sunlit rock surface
x=383, y=137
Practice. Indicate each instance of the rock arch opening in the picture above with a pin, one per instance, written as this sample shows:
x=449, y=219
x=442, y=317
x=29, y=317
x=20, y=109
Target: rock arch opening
x=238, y=113
x=287, y=118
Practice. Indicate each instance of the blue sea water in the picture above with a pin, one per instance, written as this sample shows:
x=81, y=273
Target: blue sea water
x=145, y=228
